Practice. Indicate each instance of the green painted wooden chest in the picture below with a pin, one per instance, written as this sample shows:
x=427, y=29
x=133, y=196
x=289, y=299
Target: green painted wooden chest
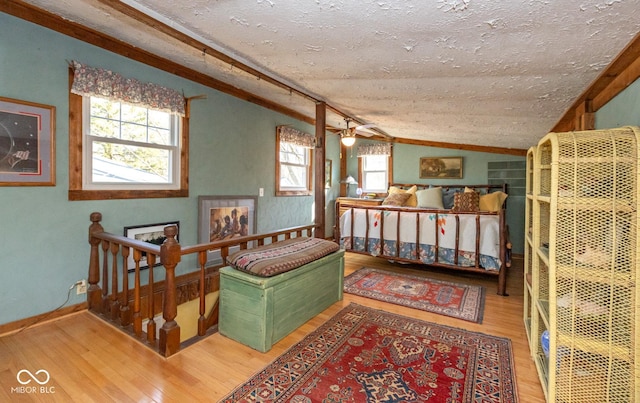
x=259, y=311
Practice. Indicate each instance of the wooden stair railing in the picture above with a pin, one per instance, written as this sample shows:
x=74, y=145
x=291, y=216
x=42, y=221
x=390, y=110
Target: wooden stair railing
x=111, y=299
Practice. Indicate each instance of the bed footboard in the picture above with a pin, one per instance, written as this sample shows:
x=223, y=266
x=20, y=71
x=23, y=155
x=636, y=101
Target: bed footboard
x=465, y=241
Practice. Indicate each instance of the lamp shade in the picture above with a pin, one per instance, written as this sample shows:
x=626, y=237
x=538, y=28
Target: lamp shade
x=348, y=141
x=349, y=180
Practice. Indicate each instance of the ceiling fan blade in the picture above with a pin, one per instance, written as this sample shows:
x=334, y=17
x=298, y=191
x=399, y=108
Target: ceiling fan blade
x=368, y=125
x=362, y=129
x=364, y=133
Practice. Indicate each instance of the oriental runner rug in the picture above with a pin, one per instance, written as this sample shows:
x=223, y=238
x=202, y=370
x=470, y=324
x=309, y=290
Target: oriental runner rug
x=367, y=355
x=451, y=299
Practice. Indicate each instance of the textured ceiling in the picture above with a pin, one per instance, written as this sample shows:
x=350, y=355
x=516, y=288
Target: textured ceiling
x=497, y=73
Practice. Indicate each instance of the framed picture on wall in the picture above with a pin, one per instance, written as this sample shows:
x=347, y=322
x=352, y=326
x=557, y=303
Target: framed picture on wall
x=225, y=217
x=327, y=174
x=151, y=233
x=441, y=167
x=27, y=143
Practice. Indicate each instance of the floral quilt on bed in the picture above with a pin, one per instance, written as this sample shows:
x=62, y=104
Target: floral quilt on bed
x=430, y=225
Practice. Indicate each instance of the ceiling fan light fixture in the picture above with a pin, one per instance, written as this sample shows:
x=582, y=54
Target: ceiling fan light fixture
x=348, y=139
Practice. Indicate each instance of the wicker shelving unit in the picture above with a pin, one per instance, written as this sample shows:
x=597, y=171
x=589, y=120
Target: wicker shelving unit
x=584, y=257
x=528, y=247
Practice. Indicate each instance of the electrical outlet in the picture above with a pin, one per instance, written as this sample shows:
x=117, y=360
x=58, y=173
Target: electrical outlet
x=81, y=287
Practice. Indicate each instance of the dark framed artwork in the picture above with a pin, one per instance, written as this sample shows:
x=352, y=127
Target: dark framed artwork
x=441, y=167
x=151, y=233
x=225, y=217
x=27, y=143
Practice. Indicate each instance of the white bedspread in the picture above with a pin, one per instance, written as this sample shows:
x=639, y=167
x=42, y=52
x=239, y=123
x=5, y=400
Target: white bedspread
x=446, y=232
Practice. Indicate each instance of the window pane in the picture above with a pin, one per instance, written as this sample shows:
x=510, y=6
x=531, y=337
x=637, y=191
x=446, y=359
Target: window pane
x=375, y=163
x=134, y=114
x=375, y=181
x=159, y=136
x=126, y=164
x=105, y=108
x=161, y=120
x=104, y=127
x=293, y=154
x=133, y=132
x=293, y=176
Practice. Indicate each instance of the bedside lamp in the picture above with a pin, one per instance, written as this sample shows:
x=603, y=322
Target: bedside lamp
x=349, y=180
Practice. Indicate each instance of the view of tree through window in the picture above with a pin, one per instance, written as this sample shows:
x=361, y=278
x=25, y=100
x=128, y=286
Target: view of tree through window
x=130, y=143
x=293, y=166
x=375, y=170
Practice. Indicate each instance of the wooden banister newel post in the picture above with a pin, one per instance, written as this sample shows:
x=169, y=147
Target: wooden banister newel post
x=170, y=257
x=94, y=293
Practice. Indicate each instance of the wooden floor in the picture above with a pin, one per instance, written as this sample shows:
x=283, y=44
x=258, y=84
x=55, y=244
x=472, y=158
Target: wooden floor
x=88, y=360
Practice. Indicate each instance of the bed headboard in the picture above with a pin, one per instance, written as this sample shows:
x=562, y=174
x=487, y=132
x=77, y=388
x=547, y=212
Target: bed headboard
x=478, y=188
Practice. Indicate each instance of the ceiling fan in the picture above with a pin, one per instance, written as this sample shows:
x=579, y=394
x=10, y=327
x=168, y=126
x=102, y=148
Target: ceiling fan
x=348, y=135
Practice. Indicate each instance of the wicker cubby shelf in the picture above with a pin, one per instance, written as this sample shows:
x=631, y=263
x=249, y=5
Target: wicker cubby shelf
x=582, y=249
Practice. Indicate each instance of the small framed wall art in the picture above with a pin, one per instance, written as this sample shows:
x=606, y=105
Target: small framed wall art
x=151, y=233
x=27, y=143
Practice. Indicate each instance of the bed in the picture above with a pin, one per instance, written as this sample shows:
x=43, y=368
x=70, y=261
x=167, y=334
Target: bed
x=459, y=227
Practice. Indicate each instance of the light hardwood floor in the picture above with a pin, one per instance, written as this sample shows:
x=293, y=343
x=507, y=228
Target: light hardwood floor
x=88, y=360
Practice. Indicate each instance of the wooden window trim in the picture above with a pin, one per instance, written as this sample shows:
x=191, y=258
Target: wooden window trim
x=75, y=160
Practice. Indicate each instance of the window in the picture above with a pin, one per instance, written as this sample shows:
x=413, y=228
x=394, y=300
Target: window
x=121, y=150
x=293, y=166
x=375, y=170
x=128, y=146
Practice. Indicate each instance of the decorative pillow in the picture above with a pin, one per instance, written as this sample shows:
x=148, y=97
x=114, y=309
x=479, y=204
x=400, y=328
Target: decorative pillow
x=492, y=201
x=412, y=201
x=466, y=201
x=396, y=199
x=430, y=198
x=447, y=198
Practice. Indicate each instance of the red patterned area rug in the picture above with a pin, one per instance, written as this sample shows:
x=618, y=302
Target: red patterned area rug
x=451, y=299
x=367, y=355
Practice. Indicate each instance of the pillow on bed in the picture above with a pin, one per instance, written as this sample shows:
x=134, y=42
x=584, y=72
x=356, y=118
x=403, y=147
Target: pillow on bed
x=447, y=197
x=396, y=199
x=412, y=200
x=430, y=198
x=492, y=201
x=466, y=201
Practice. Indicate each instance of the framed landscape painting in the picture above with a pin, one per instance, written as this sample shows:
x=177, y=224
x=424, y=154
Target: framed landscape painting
x=441, y=167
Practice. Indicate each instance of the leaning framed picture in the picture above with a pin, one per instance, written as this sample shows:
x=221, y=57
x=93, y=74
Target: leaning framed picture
x=225, y=217
x=151, y=233
x=441, y=167
x=327, y=174
x=27, y=143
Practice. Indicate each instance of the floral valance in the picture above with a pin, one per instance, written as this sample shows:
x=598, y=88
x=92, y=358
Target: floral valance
x=92, y=81
x=293, y=136
x=374, y=149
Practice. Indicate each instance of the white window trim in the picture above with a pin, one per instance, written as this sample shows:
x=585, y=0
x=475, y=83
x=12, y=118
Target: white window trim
x=365, y=189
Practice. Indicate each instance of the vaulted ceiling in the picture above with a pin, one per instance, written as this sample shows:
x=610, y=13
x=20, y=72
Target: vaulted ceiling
x=497, y=73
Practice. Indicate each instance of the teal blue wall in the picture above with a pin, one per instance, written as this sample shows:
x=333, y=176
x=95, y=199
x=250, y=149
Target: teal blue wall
x=43, y=241
x=623, y=110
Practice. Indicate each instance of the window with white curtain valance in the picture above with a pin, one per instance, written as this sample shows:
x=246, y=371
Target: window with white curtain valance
x=293, y=136
x=374, y=149
x=102, y=83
